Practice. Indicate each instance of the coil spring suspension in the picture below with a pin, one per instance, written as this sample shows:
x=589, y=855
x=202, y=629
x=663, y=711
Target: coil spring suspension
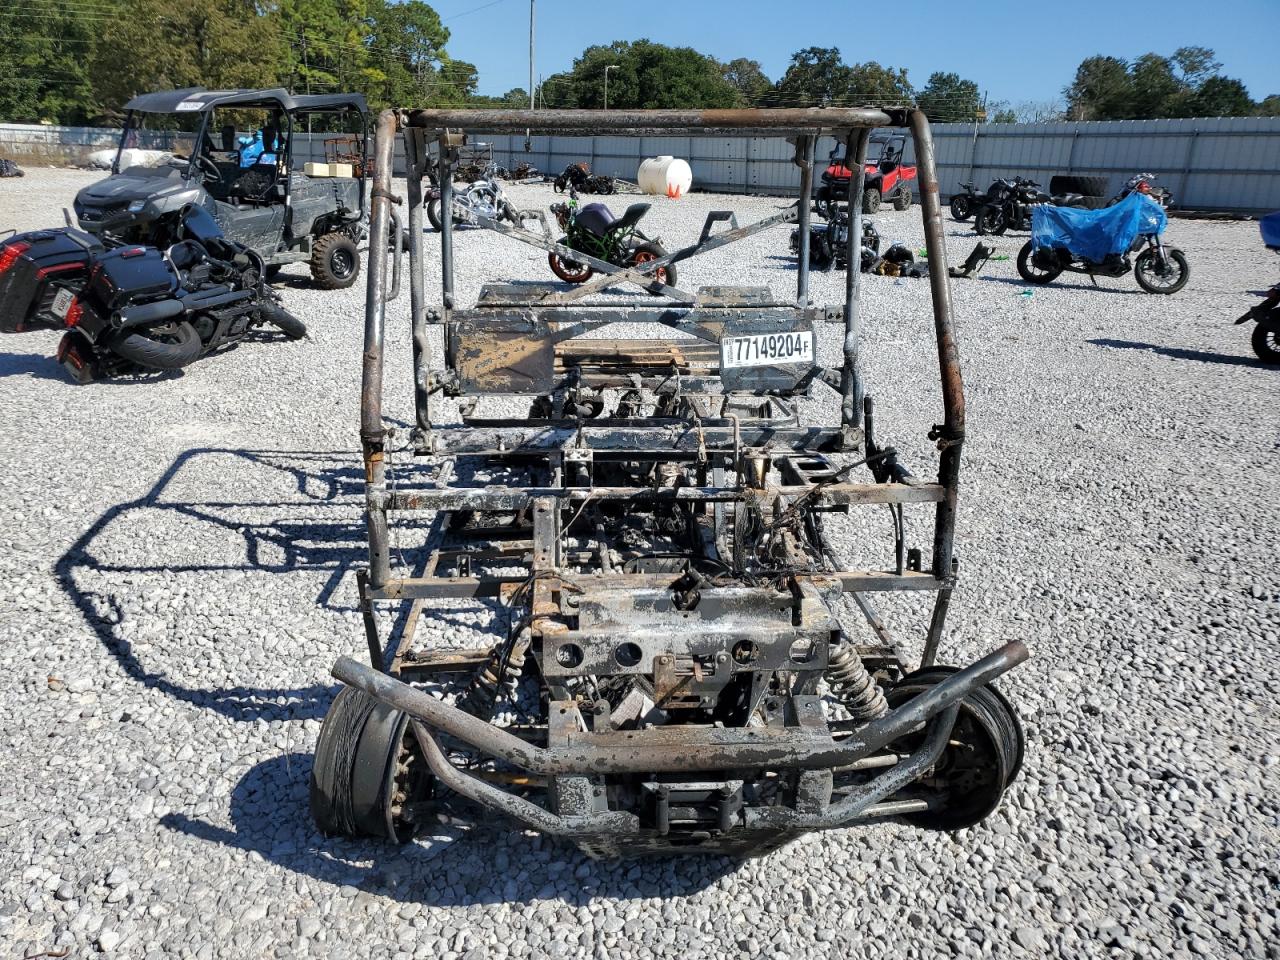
x=501, y=672
x=853, y=686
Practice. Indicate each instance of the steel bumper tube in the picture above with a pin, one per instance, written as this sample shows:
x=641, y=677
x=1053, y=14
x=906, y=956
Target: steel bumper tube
x=689, y=749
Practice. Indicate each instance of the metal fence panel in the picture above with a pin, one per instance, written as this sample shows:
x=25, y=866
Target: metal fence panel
x=1227, y=164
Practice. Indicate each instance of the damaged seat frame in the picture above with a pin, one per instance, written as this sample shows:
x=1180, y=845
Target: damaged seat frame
x=655, y=527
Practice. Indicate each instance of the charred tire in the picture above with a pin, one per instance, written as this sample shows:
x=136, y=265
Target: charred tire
x=358, y=780
x=1266, y=342
x=961, y=207
x=180, y=346
x=1144, y=271
x=335, y=262
x=278, y=316
x=902, y=199
x=871, y=200
x=1086, y=186
x=982, y=758
x=645, y=252
x=989, y=221
x=570, y=271
x=1030, y=272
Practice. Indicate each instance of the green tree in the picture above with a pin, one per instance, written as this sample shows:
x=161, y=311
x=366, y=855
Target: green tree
x=1221, y=97
x=156, y=45
x=45, y=50
x=816, y=75
x=948, y=98
x=1156, y=90
x=648, y=76
x=1102, y=89
x=870, y=83
x=324, y=46
x=1269, y=106
x=408, y=64
x=748, y=79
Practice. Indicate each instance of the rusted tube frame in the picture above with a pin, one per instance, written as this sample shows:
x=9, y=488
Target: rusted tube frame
x=851, y=386
x=804, y=158
x=951, y=435
x=372, y=434
x=636, y=757
x=787, y=121
x=445, y=174
x=416, y=159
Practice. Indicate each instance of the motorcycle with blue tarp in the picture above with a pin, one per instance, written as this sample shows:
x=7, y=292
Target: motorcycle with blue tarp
x=1266, y=315
x=1100, y=242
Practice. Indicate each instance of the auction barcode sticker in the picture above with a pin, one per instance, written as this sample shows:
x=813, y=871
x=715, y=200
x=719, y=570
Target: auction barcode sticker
x=766, y=349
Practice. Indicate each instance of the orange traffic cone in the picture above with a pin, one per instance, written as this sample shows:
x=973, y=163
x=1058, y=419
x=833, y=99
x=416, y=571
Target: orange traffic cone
x=673, y=191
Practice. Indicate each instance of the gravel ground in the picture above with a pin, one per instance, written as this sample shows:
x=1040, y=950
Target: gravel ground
x=176, y=594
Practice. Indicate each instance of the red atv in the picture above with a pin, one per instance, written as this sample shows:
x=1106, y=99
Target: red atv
x=887, y=177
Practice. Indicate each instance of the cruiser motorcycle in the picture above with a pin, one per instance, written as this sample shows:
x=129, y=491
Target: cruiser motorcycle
x=137, y=309
x=484, y=197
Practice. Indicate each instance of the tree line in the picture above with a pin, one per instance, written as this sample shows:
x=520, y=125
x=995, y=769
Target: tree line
x=78, y=61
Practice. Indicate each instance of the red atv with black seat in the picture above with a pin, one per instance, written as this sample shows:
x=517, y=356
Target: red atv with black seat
x=887, y=177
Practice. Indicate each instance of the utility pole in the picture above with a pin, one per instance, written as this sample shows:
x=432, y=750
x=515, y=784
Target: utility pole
x=528, y=143
x=612, y=66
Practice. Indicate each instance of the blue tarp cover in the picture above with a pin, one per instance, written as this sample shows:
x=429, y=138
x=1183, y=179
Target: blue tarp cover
x=1096, y=234
x=1270, y=227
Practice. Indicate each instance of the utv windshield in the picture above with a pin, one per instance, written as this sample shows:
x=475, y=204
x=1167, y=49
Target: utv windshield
x=158, y=139
x=877, y=150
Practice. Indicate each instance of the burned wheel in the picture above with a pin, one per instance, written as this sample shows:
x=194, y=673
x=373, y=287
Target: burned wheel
x=570, y=271
x=369, y=779
x=983, y=755
x=646, y=252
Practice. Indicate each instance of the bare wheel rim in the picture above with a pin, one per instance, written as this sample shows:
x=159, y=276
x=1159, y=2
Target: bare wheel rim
x=645, y=256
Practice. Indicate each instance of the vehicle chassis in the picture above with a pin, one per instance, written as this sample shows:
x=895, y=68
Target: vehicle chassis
x=671, y=589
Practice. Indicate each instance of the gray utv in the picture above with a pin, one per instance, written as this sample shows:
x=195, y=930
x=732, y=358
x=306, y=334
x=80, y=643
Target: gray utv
x=243, y=156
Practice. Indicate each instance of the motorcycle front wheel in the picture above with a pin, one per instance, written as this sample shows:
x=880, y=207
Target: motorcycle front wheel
x=1030, y=272
x=961, y=208
x=1154, y=279
x=570, y=271
x=433, y=214
x=1266, y=342
x=990, y=221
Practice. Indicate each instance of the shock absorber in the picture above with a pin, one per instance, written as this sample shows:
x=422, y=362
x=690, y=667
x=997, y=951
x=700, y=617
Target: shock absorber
x=853, y=685
x=501, y=671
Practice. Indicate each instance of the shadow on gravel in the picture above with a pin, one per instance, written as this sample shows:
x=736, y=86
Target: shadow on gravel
x=30, y=365
x=270, y=815
x=1059, y=285
x=1179, y=353
x=297, y=511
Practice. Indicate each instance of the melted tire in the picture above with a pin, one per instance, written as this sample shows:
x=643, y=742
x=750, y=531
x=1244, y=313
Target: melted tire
x=180, y=349
x=983, y=757
x=354, y=777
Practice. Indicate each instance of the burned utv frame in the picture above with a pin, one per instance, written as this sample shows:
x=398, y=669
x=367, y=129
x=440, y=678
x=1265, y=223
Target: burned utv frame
x=674, y=677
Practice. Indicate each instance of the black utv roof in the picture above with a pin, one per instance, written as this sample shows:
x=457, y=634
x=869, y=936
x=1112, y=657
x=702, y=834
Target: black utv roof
x=198, y=100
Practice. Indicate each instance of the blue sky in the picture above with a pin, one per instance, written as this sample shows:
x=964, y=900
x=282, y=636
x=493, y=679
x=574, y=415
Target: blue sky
x=1015, y=51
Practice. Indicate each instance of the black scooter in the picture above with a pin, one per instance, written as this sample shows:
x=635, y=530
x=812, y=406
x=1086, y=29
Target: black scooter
x=137, y=309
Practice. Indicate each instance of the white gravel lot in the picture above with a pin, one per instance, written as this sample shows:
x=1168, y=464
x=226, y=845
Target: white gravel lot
x=177, y=572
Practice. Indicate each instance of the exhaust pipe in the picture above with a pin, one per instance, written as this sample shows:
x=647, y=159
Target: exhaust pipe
x=145, y=313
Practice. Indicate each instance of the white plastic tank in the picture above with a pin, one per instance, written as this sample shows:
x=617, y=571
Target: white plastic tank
x=665, y=176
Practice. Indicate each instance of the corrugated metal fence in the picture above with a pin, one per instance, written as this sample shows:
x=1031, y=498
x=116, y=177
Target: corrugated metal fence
x=1227, y=164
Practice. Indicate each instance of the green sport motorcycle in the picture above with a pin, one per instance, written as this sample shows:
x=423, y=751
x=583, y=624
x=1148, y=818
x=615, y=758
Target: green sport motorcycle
x=595, y=231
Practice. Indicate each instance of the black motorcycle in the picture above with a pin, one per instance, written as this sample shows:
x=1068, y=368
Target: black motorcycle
x=1266, y=315
x=578, y=176
x=963, y=203
x=137, y=309
x=1008, y=205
